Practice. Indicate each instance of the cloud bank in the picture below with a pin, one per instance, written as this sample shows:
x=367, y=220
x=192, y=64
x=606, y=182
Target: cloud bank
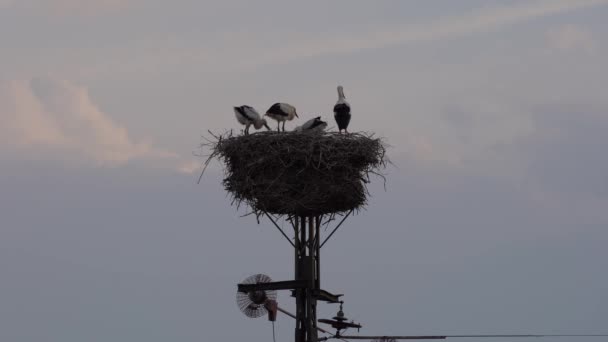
x=59, y=117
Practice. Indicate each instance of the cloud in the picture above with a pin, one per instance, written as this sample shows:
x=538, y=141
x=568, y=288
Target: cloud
x=222, y=50
x=481, y=20
x=189, y=167
x=47, y=114
x=571, y=37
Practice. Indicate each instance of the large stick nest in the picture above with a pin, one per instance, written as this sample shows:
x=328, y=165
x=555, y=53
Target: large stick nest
x=291, y=173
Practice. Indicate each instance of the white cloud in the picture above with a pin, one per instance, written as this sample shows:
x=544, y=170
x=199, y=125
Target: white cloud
x=189, y=167
x=571, y=37
x=58, y=116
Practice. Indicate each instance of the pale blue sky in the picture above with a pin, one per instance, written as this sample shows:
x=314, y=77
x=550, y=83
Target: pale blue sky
x=494, y=219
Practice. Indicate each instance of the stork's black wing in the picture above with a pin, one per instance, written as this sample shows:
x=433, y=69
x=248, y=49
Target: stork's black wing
x=243, y=112
x=276, y=110
x=318, y=122
x=342, y=115
x=341, y=108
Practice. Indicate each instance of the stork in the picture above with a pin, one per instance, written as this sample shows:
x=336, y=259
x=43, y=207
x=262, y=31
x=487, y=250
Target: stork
x=248, y=116
x=342, y=111
x=281, y=112
x=312, y=125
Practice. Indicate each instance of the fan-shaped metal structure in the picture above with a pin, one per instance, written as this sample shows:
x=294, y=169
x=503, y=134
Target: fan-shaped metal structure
x=253, y=303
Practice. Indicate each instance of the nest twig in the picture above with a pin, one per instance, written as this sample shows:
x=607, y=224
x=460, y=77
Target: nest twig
x=291, y=173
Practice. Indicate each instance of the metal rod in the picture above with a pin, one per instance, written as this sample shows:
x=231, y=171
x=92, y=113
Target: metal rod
x=317, y=249
x=443, y=337
x=318, y=219
x=300, y=331
x=338, y=226
x=295, y=228
x=393, y=337
x=312, y=301
x=303, y=235
x=296, y=247
x=319, y=329
x=524, y=335
x=294, y=316
x=275, y=285
x=281, y=230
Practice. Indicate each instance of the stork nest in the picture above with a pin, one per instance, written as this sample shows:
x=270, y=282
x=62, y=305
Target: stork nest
x=295, y=173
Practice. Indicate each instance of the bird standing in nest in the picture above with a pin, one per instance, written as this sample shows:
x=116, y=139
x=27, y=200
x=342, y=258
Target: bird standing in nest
x=247, y=115
x=342, y=111
x=281, y=112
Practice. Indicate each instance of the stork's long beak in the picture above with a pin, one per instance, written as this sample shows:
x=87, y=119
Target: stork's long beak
x=296, y=115
x=267, y=127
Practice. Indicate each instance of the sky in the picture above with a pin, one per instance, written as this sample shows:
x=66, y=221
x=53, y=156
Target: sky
x=494, y=215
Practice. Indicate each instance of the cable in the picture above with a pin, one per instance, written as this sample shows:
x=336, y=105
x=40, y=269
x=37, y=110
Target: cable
x=273, y=337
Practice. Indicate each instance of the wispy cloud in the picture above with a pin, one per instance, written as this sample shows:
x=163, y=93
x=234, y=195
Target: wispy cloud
x=480, y=20
x=223, y=50
x=58, y=116
x=189, y=167
x=571, y=37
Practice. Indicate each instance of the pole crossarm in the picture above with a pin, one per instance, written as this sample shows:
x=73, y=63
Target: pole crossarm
x=326, y=296
x=275, y=285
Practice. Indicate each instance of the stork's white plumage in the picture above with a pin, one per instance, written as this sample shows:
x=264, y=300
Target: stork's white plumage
x=281, y=112
x=247, y=115
x=342, y=111
x=312, y=125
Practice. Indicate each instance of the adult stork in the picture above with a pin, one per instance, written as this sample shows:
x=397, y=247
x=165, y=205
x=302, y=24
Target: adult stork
x=247, y=115
x=282, y=112
x=342, y=111
x=312, y=125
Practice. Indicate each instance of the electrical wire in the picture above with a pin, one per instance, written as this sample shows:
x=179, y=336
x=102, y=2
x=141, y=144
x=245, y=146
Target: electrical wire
x=273, y=336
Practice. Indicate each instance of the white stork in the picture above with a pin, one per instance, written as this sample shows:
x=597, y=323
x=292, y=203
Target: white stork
x=248, y=116
x=281, y=112
x=312, y=125
x=342, y=111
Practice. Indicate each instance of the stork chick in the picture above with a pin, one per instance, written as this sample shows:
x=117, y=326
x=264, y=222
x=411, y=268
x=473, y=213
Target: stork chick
x=312, y=125
x=247, y=115
x=281, y=112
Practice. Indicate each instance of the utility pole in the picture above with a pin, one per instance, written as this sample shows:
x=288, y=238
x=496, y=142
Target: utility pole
x=306, y=287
